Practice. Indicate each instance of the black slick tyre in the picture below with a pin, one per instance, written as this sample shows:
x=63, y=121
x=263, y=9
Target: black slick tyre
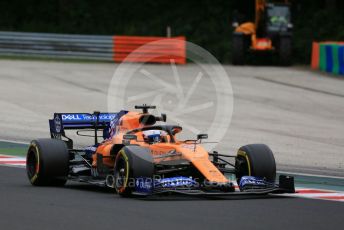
x=131, y=162
x=255, y=160
x=47, y=162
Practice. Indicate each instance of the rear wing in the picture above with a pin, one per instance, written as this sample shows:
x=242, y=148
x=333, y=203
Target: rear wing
x=77, y=121
x=63, y=121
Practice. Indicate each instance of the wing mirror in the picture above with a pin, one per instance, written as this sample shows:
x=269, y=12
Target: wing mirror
x=202, y=136
x=162, y=118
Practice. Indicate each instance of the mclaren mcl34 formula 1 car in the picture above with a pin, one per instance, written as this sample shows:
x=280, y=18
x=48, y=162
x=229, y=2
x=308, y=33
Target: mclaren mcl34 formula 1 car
x=140, y=155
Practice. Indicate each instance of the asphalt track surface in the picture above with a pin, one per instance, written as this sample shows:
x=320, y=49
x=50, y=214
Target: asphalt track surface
x=297, y=112
x=80, y=206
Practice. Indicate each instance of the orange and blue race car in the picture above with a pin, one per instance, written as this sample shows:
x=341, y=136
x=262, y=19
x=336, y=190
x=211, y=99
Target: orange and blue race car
x=140, y=155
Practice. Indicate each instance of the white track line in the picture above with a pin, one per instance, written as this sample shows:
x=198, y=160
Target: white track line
x=310, y=175
x=15, y=142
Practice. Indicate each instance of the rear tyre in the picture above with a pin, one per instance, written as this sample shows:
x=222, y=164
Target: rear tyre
x=47, y=162
x=238, y=49
x=285, y=51
x=131, y=162
x=255, y=160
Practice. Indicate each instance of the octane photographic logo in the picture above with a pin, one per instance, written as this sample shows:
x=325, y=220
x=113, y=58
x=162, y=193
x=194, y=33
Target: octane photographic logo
x=197, y=96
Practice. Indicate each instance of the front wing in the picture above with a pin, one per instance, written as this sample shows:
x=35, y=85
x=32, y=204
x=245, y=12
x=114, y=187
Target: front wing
x=286, y=185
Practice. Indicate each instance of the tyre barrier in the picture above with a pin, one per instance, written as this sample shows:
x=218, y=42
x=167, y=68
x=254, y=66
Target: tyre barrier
x=328, y=57
x=93, y=47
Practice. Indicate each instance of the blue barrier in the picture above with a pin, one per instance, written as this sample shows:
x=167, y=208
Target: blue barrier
x=329, y=58
x=341, y=59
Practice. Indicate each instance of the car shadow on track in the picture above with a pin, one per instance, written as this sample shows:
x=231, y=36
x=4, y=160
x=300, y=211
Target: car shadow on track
x=88, y=188
x=205, y=198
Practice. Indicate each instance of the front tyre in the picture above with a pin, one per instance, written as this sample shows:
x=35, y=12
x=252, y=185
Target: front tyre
x=255, y=160
x=131, y=163
x=122, y=174
x=47, y=162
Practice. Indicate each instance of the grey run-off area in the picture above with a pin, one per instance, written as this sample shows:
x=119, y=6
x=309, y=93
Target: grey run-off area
x=298, y=113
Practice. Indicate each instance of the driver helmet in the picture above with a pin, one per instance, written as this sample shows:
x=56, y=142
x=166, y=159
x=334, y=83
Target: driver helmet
x=153, y=136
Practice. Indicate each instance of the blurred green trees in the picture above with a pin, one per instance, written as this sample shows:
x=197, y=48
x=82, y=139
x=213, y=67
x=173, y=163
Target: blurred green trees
x=204, y=22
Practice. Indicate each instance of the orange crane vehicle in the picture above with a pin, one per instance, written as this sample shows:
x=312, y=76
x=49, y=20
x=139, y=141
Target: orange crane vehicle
x=268, y=30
